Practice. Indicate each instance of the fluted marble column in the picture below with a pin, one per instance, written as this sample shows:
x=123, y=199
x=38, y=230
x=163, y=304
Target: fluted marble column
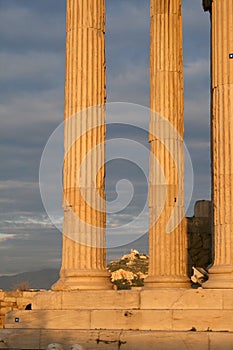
x=83, y=250
x=221, y=273
x=167, y=231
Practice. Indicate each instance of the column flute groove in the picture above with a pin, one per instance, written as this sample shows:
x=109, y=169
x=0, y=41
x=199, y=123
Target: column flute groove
x=83, y=250
x=167, y=249
x=221, y=273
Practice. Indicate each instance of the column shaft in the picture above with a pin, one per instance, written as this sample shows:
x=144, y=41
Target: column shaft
x=83, y=250
x=167, y=237
x=221, y=273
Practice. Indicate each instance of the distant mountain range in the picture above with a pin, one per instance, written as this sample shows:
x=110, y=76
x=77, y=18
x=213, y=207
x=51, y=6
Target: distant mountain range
x=42, y=279
x=45, y=278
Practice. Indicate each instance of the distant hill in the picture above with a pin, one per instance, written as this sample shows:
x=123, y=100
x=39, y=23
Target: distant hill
x=127, y=271
x=130, y=270
x=45, y=278
x=140, y=244
x=37, y=279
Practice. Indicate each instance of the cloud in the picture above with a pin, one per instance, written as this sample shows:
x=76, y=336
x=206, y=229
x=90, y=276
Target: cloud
x=9, y=184
x=30, y=249
x=4, y=237
x=199, y=66
x=23, y=26
x=19, y=198
x=28, y=109
x=196, y=30
x=32, y=68
x=131, y=84
x=32, y=56
x=32, y=221
x=127, y=51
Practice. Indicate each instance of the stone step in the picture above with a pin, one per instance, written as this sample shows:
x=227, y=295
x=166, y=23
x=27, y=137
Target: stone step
x=174, y=299
x=158, y=320
x=115, y=340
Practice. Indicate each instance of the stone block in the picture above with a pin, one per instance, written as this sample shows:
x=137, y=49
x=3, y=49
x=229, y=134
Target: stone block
x=181, y=299
x=19, y=339
x=91, y=339
x=2, y=319
x=113, y=340
x=47, y=301
x=227, y=299
x=198, y=226
x=163, y=341
x=22, y=303
x=100, y=300
x=5, y=309
x=14, y=294
x=4, y=304
x=88, y=300
x=24, y=300
x=203, y=320
x=29, y=294
x=56, y=319
x=220, y=341
x=207, y=242
x=203, y=208
x=68, y=337
x=131, y=319
x=108, y=340
x=10, y=299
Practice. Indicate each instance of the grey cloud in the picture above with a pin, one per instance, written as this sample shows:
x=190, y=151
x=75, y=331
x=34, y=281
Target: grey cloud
x=32, y=55
x=21, y=199
x=31, y=68
x=30, y=250
x=127, y=51
x=22, y=110
x=23, y=26
x=131, y=84
x=196, y=29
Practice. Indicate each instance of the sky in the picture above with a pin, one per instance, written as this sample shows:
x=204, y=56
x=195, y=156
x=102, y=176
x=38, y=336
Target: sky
x=32, y=71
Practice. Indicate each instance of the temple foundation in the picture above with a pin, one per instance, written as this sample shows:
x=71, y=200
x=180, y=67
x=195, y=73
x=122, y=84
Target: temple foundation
x=130, y=320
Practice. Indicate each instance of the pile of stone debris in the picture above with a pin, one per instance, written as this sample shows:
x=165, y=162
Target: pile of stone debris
x=130, y=270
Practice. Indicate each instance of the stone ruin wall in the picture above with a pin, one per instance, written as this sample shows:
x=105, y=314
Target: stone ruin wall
x=15, y=300
x=199, y=229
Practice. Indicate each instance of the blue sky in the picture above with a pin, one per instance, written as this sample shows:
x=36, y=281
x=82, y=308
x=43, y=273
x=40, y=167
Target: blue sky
x=32, y=61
